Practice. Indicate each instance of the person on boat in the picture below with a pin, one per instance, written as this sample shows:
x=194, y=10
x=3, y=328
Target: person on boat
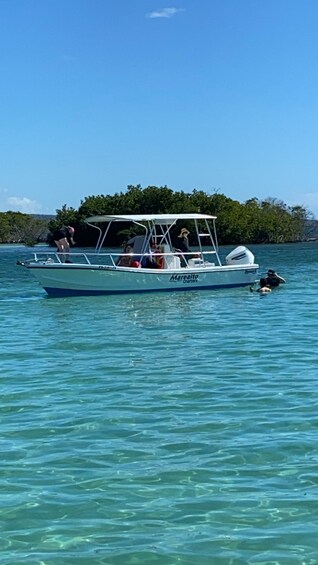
x=125, y=260
x=138, y=243
x=273, y=279
x=63, y=239
x=183, y=245
x=150, y=261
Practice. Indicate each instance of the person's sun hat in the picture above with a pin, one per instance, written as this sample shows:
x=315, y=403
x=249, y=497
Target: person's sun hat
x=184, y=232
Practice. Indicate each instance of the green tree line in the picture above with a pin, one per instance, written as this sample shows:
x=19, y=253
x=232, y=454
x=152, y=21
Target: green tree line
x=254, y=221
x=16, y=227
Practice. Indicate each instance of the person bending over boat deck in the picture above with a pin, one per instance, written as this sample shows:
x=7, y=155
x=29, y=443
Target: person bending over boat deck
x=273, y=279
x=63, y=239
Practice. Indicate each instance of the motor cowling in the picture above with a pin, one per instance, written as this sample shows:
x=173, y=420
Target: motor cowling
x=240, y=256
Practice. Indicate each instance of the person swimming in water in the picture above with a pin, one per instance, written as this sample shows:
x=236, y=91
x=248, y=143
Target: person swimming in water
x=263, y=287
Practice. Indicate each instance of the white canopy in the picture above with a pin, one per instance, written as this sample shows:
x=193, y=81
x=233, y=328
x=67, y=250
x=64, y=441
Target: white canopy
x=155, y=218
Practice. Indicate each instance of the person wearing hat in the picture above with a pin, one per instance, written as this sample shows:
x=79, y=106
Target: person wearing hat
x=63, y=239
x=183, y=244
x=273, y=279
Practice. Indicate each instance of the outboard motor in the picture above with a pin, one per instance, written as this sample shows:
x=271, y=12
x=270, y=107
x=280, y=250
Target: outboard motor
x=240, y=256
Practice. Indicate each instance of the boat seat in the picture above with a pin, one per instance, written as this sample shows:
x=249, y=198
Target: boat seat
x=170, y=261
x=196, y=262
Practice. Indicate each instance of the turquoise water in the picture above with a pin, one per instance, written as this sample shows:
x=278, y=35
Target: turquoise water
x=167, y=430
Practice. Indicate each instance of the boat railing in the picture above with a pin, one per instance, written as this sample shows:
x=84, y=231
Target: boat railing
x=112, y=258
x=191, y=259
x=55, y=257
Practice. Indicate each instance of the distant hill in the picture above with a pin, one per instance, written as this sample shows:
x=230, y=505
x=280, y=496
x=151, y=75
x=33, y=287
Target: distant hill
x=46, y=217
x=310, y=230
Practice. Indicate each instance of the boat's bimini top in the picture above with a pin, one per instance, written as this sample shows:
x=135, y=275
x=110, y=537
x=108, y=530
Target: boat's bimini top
x=155, y=218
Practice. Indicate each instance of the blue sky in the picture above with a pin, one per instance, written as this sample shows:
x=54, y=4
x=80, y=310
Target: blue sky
x=206, y=94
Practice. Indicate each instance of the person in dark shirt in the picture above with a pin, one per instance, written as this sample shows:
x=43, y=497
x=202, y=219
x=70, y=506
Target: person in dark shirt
x=150, y=260
x=63, y=239
x=183, y=245
x=273, y=279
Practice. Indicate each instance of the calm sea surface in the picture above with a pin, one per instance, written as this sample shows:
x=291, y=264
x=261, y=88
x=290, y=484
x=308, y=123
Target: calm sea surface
x=167, y=429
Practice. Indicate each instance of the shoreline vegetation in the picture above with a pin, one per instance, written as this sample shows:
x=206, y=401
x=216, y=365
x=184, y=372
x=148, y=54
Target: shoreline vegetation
x=252, y=222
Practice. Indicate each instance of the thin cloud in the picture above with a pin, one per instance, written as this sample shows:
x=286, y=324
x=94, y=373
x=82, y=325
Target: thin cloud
x=24, y=205
x=164, y=13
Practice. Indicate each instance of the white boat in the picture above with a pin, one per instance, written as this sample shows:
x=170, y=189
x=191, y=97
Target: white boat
x=101, y=273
